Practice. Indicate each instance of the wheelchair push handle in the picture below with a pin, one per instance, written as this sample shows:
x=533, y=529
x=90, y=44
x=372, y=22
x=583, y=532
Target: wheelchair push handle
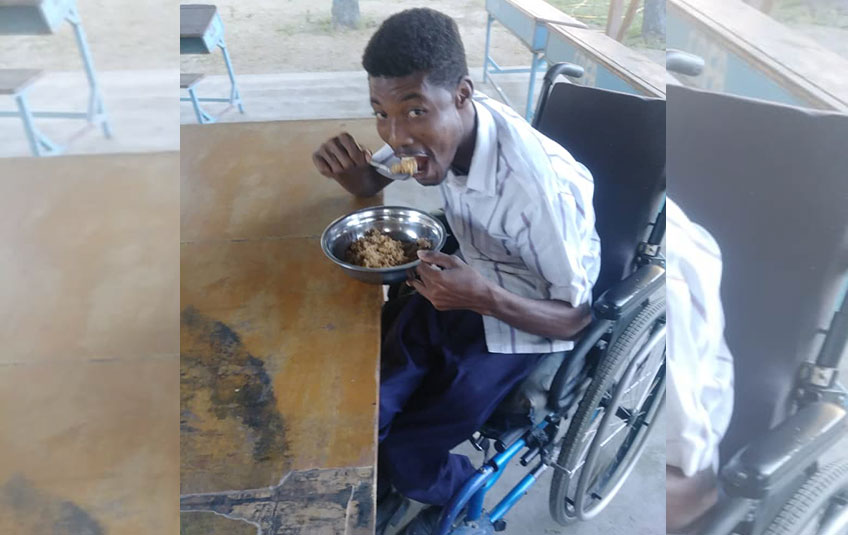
x=555, y=70
x=565, y=69
x=680, y=62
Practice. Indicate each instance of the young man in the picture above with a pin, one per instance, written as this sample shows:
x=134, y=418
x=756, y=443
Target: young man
x=520, y=207
x=699, y=372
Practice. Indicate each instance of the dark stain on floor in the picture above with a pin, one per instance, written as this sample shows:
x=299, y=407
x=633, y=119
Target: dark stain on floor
x=237, y=381
x=35, y=512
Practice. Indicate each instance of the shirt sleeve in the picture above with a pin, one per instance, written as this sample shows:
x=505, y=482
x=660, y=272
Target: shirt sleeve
x=699, y=364
x=553, y=244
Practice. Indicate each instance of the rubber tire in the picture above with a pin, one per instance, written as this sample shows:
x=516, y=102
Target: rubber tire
x=807, y=501
x=609, y=367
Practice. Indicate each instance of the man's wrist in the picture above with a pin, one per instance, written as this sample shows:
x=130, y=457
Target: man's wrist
x=489, y=299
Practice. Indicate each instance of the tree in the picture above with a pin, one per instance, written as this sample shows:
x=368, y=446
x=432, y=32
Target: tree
x=346, y=13
x=653, y=21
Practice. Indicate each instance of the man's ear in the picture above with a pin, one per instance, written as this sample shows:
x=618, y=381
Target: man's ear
x=464, y=92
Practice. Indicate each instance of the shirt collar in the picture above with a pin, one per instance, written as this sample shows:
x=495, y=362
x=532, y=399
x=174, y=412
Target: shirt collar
x=484, y=162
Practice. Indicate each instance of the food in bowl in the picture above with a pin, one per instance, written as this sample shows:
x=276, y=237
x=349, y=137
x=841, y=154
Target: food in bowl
x=407, y=166
x=378, y=250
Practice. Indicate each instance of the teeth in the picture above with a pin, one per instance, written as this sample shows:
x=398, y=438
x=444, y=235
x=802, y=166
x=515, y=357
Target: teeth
x=407, y=166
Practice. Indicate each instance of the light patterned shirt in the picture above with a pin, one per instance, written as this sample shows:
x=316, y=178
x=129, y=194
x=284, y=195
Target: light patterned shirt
x=700, y=366
x=523, y=218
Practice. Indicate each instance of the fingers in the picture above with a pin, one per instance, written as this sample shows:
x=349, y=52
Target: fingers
x=424, y=273
x=332, y=163
x=340, y=155
x=354, y=151
x=337, y=151
x=322, y=165
x=419, y=286
x=439, y=259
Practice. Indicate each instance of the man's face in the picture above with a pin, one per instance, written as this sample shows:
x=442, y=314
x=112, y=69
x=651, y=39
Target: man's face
x=418, y=119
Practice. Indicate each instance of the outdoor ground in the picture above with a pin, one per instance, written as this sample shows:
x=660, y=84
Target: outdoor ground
x=297, y=35
x=274, y=36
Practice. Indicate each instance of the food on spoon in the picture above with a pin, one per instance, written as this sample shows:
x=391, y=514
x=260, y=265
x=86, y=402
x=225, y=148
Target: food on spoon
x=378, y=250
x=406, y=166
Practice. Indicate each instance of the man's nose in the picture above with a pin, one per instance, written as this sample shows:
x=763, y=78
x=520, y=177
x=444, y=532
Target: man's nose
x=399, y=137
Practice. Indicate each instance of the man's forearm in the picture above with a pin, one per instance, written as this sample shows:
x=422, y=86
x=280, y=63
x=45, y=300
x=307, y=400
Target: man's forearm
x=549, y=318
x=688, y=498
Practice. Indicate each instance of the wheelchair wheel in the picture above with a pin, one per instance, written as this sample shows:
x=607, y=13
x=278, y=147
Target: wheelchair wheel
x=819, y=507
x=605, y=438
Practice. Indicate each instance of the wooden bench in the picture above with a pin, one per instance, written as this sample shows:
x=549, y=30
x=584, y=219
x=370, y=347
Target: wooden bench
x=528, y=20
x=187, y=82
x=607, y=63
x=748, y=53
x=15, y=83
x=201, y=32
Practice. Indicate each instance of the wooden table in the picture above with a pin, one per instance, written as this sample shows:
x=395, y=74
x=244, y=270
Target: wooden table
x=748, y=53
x=528, y=20
x=607, y=63
x=89, y=369
x=279, y=349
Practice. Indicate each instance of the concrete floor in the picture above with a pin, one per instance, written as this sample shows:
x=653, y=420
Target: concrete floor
x=142, y=107
x=316, y=95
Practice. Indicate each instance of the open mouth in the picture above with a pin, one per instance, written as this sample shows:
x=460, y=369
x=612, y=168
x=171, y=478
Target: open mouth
x=415, y=165
x=422, y=166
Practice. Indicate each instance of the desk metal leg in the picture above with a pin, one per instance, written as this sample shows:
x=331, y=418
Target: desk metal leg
x=235, y=96
x=202, y=116
x=486, y=58
x=96, y=108
x=39, y=145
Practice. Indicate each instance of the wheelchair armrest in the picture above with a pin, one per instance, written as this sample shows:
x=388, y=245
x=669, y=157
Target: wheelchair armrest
x=629, y=293
x=783, y=452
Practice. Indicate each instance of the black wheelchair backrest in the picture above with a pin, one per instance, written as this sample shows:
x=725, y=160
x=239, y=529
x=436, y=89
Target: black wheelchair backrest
x=620, y=138
x=770, y=183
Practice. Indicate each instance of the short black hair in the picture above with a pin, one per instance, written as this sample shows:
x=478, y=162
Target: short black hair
x=417, y=40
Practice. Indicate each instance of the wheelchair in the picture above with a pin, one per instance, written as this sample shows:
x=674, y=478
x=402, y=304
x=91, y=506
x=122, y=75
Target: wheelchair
x=586, y=413
x=768, y=181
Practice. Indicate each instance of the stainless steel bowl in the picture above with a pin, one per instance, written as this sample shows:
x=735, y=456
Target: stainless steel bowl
x=404, y=224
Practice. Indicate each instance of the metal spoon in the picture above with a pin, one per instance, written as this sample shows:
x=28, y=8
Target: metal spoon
x=386, y=169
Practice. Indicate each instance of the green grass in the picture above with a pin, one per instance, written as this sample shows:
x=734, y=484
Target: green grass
x=799, y=12
x=594, y=14
x=322, y=24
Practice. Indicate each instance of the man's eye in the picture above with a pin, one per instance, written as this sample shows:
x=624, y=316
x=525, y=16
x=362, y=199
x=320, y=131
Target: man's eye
x=380, y=114
x=416, y=112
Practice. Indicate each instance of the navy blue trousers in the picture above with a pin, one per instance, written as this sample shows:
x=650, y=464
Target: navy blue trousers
x=438, y=384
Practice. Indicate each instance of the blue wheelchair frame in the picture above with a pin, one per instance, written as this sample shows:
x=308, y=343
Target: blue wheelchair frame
x=473, y=493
